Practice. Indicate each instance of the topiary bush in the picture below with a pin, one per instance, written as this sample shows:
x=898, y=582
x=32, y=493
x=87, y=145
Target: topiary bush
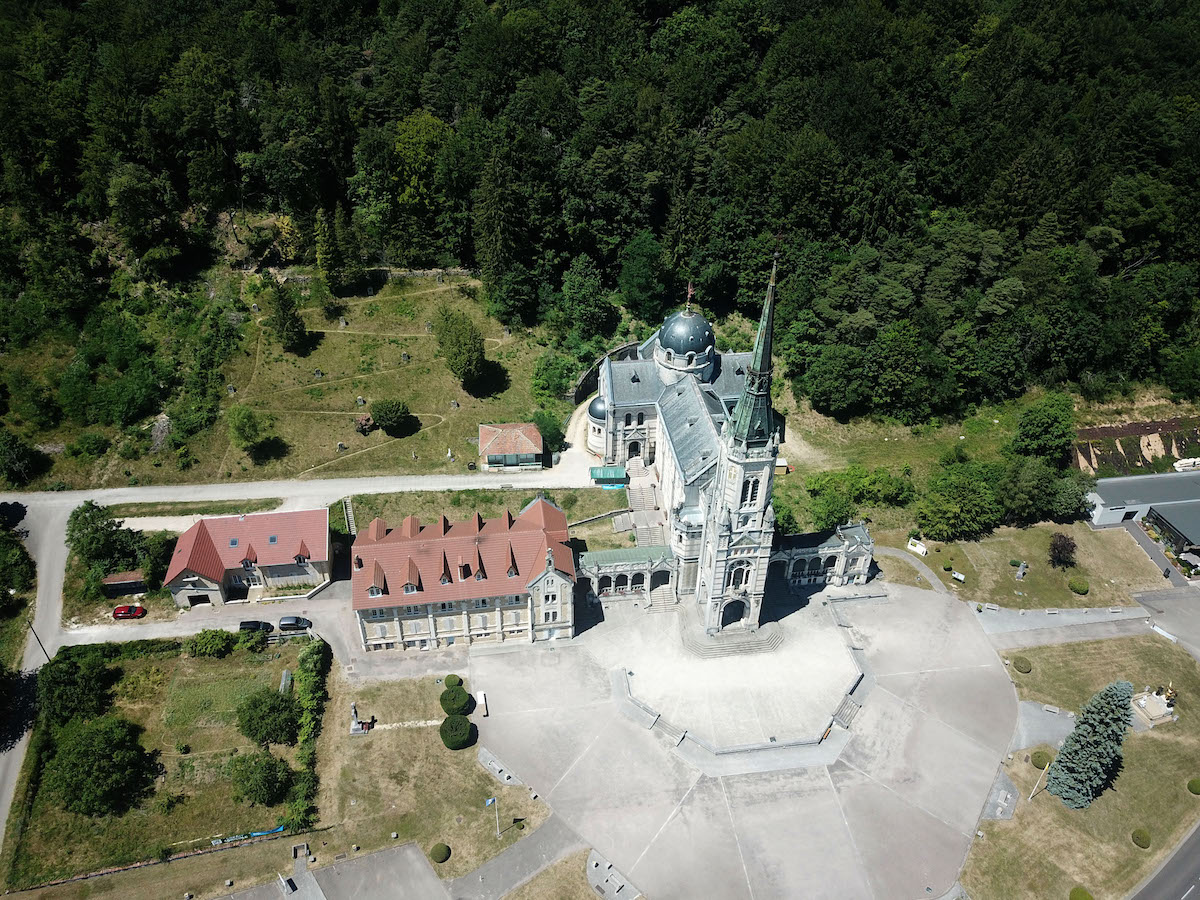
x=1194, y=785
x=1078, y=585
x=440, y=853
x=1022, y=665
x=1041, y=759
x=1141, y=837
x=455, y=701
x=1078, y=893
x=453, y=681
x=456, y=732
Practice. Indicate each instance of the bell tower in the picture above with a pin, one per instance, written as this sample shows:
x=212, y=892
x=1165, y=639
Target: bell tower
x=740, y=520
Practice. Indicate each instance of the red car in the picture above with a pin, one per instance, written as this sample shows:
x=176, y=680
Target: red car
x=129, y=612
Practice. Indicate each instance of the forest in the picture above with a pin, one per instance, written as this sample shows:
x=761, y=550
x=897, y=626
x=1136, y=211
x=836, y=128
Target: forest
x=968, y=197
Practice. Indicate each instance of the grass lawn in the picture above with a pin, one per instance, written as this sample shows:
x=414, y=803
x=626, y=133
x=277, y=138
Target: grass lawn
x=578, y=503
x=1111, y=562
x=175, y=700
x=16, y=612
x=565, y=880
x=405, y=780
x=1046, y=849
x=897, y=571
x=194, y=508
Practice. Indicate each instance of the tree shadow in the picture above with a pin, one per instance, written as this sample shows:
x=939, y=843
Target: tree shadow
x=411, y=425
x=269, y=449
x=12, y=514
x=492, y=380
x=18, y=694
x=312, y=340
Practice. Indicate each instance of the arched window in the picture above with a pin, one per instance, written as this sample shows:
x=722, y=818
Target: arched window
x=641, y=418
x=754, y=491
x=670, y=356
x=628, y=419
x=739, y=577
x=745, y=492
x=691, y=358
x=749, y=491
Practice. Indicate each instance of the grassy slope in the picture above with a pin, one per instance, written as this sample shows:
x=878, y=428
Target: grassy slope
x=1046, y=849
x=194, y=507
x=564, y=880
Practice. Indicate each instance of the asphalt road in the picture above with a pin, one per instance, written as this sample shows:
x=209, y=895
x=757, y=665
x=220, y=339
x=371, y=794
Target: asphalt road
x=1179, y=876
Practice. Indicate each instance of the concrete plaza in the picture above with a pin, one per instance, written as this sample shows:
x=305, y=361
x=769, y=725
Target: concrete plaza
x=892, y=817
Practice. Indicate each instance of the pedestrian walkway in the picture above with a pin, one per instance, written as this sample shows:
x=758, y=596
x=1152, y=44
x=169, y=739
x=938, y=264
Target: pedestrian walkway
x=1002, y=620
x=519, y=863
x=927, y=573
x=1154, y=551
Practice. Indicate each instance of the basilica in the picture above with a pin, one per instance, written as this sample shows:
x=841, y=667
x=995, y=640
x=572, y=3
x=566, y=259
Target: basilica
x=701, y=426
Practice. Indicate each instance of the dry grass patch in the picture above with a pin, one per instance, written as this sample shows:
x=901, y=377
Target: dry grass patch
x=1046, y=849
x=565, y=880
x=404, y=780
x=897, y=571
x=194, y=508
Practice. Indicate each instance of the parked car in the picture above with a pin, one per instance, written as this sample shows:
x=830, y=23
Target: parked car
x=294, y=623
x=254, y=625
x=129, y=612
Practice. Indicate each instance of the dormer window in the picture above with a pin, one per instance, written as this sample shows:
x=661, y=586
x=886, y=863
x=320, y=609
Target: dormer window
x=445, y=579
x=512, y=571
x=373, y=591
x=247, y=565
x=479, y=576
x=300, y=560
x=273, y=539
x=233, y=542
x=410, y=589
x=358, y=563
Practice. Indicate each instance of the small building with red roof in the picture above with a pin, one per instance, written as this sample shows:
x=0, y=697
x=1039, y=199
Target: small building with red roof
x=432, y=585
x=516, y=445
x=224, y=558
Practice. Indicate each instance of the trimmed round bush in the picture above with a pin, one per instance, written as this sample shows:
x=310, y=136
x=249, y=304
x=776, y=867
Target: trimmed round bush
x=947, y=568
x=456, y=732
x=1041, y=759
x=1014, y=563
x=1078, y=585
x=1022, y=665
x=453, y=681
x=1079, y=893
x=455, y=701
x=440, y=853
x=1141, y=837
x=1194, y=785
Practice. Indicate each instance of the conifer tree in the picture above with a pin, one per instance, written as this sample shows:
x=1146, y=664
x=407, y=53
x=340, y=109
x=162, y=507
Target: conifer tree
x=1091, y=755
x=348, y=249
x=329, y=257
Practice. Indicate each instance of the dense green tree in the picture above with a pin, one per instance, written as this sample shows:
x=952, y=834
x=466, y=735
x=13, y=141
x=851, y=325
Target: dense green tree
x=642, y=281
x=70, y=687
x=830, y=509
x=285, y=320
x=19, y=462
x=1091, y=756
x=96, y=537
x=99, y=768
x=391, y=415
x=550, y=427
x=1047, y=429
x=259, y=779
x=461, y=344
x=17, y=571
x=246, y=425
x=328, y=250
x=553, y=376
x=267, y=716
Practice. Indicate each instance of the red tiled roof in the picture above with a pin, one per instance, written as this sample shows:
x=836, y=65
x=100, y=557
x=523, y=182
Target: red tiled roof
x=518, y=437
x=129, y=577
x=425, y=556
x=206, y=549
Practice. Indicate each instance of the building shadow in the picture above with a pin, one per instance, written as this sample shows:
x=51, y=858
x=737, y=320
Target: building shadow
x=781, y=598
x=587, y=615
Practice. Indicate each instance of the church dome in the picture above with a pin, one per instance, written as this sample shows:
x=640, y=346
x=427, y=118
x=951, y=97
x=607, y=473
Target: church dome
x=597, y=408
x=686, y=332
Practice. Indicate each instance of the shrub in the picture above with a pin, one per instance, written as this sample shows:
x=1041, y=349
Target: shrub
x=1014, y=563
x=259, y=779
x=453, y=681
x=1141, y=837
x=391, y=415
x=456, y=732
x=1078, y=585
x=947, y=568
x=455, y=701
x=440, y=853
x=210, y=642
x=99, y=767
x=183, y=748
x=1062, y=550
x=266, y=716
x=254, y=641
x=1078, y=893
x=1022, y=665
x=1194, y=785
x=89, y=444
x=1041, y=759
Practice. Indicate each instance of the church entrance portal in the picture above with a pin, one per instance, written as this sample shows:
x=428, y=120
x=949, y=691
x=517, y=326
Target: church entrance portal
x=635, y=449
x=732, y=613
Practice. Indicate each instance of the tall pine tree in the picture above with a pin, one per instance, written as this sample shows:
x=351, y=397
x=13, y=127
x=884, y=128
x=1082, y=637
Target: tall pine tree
x=329, y=256
x=348, y=247
x=1091, y=755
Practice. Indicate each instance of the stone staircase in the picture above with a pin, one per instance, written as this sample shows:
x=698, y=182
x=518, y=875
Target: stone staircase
x=641, y=493
x=731, y=643
x=662, y=599
x=650, y=536
x=846, y=711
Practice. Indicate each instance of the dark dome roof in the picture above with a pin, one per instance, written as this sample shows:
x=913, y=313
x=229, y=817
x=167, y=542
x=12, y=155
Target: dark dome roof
x=686, y=332
x=597, y=408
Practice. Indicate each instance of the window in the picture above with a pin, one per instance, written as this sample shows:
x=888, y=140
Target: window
x=483, y=621
x=628, y=419
x=411, y=610
x=481, y=603
x=358, y=564
x=410, y=589
x=754, y=491
x=445, y=579
x=514, y=601
x=233, y=542
x=273, y=539
x=551, y=598
x=670, y=356
x=247, y=565
x=641, y=418
x=445, y=607
x=550, y=616
x=691, y=358
x=300, y=560
x=373, y=591
x=512, y=571
x=378, y=613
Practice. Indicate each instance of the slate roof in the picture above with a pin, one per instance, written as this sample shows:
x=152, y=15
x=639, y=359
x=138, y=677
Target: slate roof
x=444, y=558
x=686, y=422
x=517, y=437
x=1183, y=517
x=633, y=382
x=218, y=543
x=1134, y=490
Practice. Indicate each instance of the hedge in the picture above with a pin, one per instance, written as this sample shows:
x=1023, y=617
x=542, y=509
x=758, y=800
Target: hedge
x=1194, y=785
x=1078, y=585
x=455, y=701
x=1022, y=665
x=1141, y=837
x=453, y=681
x=1041, y=759
x=312, y=668
x=440, y=853
x=1078, y=893
x=456, y=732
x=214, y=642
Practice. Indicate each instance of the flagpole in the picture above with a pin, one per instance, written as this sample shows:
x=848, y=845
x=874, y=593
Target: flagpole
x=497, y=805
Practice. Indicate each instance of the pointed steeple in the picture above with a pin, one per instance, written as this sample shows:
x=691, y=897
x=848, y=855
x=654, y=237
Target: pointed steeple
x=753, y=422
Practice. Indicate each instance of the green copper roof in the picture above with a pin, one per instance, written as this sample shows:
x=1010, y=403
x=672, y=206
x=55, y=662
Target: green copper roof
x=752, y=421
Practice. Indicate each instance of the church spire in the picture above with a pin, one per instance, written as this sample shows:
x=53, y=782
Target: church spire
x=753, y=421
